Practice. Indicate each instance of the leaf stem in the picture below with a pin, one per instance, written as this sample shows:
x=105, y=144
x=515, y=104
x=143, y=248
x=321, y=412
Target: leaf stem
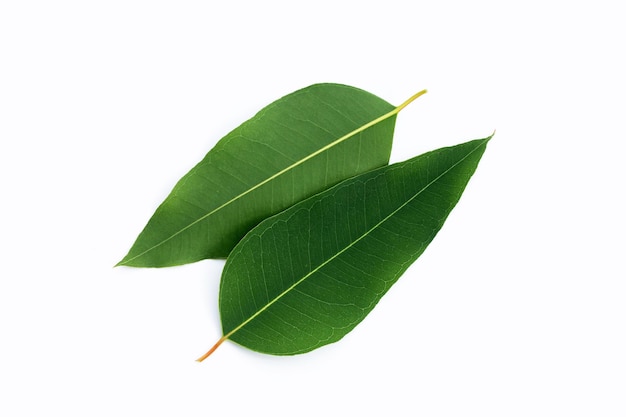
x=410, y=100
x=215, y=346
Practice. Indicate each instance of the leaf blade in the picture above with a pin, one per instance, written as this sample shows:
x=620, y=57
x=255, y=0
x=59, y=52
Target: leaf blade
x=263, y=165
x=304, y=299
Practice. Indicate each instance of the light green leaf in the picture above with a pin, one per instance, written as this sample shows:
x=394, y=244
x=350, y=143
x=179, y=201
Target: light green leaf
x=297, y=146
x=308, y=275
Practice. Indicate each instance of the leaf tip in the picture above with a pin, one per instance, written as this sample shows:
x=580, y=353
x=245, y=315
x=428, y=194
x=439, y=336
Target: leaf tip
x=123, y=262
x=215, y=346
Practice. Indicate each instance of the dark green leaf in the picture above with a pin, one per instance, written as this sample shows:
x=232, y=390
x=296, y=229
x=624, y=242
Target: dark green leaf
x=295, y=147
x=307, y=276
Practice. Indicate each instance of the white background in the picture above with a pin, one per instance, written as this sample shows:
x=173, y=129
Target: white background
x=516, y=309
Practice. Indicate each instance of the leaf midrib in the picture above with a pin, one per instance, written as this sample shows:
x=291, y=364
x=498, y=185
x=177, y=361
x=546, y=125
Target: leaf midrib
x=281, y=172
x=365, y=234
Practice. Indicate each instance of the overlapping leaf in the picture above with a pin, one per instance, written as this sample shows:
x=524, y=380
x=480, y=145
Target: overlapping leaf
x=292, y=149
x=308, y=275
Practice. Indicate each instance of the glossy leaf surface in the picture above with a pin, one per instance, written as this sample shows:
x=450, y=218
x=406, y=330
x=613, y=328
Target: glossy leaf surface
x=295, y=147
x=307, y=276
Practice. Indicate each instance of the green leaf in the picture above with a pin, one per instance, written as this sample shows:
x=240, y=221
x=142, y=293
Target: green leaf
x=297, y=146
x=308, y=275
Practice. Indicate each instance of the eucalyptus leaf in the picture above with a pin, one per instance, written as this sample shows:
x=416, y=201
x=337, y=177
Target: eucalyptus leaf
x=308, y=275
x=297, y=146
